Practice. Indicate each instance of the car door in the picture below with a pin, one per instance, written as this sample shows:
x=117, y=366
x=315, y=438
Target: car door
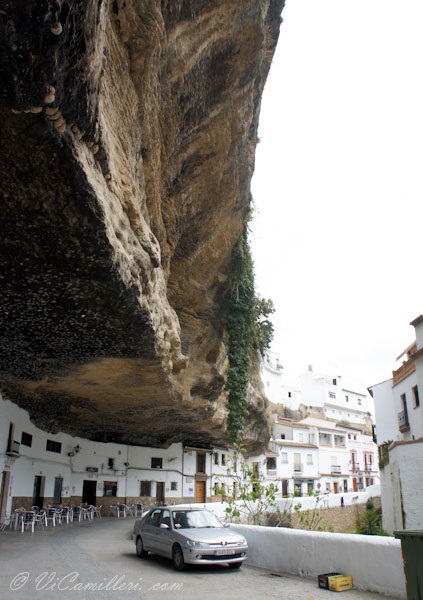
x=163, y=540
x=151, y=530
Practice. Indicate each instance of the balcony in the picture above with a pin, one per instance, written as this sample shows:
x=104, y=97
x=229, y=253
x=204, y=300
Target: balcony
x=355, y=466
x=298, y=468
x=335, y=469
x=403, y=423
x=272, y=473
x=403, y=372
x=13, y=449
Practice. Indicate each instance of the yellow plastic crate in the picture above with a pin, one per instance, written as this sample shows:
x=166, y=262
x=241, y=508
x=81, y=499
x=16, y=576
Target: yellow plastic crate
x=340, y=583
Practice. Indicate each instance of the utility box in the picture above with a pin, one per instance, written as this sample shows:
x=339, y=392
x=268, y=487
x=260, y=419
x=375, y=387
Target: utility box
x=340, y=583
x=336, y=582
x=412, y=556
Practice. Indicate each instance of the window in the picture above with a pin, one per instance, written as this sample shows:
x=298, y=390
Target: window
x=347, y=399
x=301, y=437
x=359, y=401
x=154, y=518
x=271, y=463
x=26, y=439
x=110, y=488
x=216, y=458
x=415, y=396
x=223, y=460
x=325, y=439
x=309, y=459
x=111, y=463
x=282, y=436
x=145, y=488
x=284, y=458
x=173, y=486
x=332, y=395
x=53, y=446
x=297, y=462
x=289, y=394
x=201, y=462
x=156, y=463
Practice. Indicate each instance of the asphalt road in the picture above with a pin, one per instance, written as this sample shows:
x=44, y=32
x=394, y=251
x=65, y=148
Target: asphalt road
x=97, y=560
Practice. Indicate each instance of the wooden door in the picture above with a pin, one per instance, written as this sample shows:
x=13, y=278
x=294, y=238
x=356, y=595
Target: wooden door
x=200, y=490
x=160, y=496
x=4, y=486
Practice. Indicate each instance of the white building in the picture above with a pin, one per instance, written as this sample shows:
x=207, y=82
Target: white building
x=318, y=456
x=336, y=398
x=40, y=468
x=276, y=387
x=332, y=397
x=399, y=431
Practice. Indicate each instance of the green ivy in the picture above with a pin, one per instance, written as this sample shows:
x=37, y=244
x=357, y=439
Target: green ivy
x=249, y=331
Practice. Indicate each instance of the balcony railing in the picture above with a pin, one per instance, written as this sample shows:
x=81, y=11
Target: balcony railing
x=298, y=468
x=355, y=466
x=272, y=472
x=13, y=449
x=403, y=372
x=403, y=423
x=335, y=469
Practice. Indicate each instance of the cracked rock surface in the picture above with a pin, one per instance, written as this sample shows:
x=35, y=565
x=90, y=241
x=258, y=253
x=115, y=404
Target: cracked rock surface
x=127, y=139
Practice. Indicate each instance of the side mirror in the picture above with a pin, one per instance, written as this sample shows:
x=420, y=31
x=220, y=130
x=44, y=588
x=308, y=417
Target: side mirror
x=164, y=526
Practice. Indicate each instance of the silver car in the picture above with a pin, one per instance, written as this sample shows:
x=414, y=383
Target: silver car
x=188, y=536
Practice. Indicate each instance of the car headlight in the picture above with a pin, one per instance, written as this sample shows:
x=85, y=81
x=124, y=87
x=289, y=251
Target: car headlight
x=193, y=544
x=242, y=542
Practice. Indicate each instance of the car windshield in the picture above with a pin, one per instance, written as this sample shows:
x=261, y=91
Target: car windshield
x=188, y=519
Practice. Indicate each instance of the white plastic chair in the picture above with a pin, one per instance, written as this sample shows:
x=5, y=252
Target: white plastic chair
x=7, y=522
x=28, y=520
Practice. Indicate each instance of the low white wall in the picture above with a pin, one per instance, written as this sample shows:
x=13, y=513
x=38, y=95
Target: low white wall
x=374, y=562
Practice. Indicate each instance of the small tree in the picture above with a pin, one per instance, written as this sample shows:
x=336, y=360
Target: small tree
x=252, y=498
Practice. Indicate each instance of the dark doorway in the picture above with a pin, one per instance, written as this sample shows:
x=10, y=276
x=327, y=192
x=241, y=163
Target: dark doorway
x=89, y=492
x=160, y=492
x=38, y=492
x=58, y=484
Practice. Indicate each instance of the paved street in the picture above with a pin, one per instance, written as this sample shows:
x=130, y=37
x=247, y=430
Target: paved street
x=60, y=562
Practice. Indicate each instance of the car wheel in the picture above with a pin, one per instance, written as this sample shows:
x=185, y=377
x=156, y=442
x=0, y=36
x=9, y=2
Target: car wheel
x=178, y=558
x=140, y=548
x=234, y=565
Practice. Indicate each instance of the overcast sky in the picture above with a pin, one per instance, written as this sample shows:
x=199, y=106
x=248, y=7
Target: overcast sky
x=338, y=187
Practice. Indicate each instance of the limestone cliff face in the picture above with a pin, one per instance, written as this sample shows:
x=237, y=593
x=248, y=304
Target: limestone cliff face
x=127, y=139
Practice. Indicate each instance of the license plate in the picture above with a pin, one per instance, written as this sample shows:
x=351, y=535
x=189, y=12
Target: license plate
x=223, y=552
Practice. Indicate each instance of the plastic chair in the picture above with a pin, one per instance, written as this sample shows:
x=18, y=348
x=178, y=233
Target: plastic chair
x=40, y=518
x=65, y=515
x=7, y=522
x=28, y=520
x=51, y=516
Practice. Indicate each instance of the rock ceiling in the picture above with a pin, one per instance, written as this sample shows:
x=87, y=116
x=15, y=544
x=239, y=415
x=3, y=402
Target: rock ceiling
x=127, y=139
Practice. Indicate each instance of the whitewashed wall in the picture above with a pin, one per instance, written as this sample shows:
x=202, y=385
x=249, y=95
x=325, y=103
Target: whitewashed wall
x=374, y=563
x=402, y=479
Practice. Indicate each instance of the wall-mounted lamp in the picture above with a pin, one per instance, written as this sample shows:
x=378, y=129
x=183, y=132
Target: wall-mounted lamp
x=74, y=450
